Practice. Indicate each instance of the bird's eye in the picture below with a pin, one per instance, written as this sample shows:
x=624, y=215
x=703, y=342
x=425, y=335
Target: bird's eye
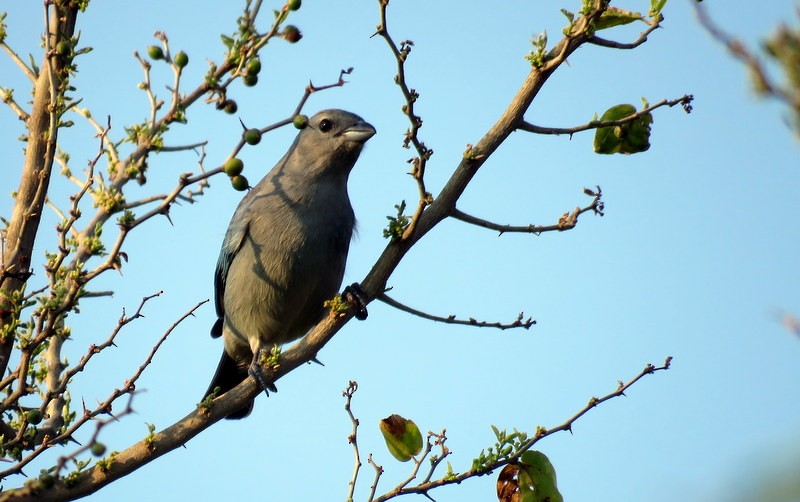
x=325, y=125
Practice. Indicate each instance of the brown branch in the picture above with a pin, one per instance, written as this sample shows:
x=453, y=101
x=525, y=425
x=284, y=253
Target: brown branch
x=378, y=474
x=611, y=44
x=444, y=204
x=567, y=221
x=311, y=89
x=103, y=408
x=348, y=393
x=39, y=153
x=412, y=135
x=451, y=319
x=8, y=99
x=685, y=101
x=19, y=62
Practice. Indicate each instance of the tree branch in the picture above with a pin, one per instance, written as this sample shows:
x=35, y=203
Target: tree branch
x=19, y=62
x=41, y=147
x=685, y=101
x=611, y=44
x=451, y=319
x=567, y=221
x=412, y=134
x=541, y=433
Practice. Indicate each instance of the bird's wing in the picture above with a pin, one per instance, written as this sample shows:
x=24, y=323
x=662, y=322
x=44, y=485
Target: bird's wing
x=234, y=237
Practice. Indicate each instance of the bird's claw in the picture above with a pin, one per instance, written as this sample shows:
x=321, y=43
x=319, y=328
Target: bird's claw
x=256, y=371
x=358, y=299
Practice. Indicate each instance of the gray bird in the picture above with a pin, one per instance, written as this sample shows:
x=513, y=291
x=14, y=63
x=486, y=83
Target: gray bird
x=285, y=249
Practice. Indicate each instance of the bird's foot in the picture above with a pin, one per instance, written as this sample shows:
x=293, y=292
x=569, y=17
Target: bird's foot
x=358, y=299
x=256, y=370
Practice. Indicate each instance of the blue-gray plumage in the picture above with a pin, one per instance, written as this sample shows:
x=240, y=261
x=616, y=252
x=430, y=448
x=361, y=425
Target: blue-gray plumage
x=285, y=249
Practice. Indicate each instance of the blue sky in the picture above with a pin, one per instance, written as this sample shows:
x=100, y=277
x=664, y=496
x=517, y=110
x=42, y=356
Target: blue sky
x=695, y=257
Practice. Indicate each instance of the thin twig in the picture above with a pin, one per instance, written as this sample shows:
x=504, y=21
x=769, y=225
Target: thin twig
x=348, y=393
x=567, y=221
x=611, y=44
x=412, y=135
x=19, y=62
x=451, y=319
x=685, y=101
x=378, y=472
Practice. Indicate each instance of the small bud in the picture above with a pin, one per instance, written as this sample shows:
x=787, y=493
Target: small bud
x=181, y=59
x=293, y=4
x=240, y=183
x=155, y=52
x=233, y=167
x=252, y=136
x=291, y=34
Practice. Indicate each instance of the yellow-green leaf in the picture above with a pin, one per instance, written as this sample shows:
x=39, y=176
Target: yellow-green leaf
x=614, y=16
x=402, y=436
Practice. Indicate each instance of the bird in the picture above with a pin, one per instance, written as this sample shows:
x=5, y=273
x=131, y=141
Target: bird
x=284, y=252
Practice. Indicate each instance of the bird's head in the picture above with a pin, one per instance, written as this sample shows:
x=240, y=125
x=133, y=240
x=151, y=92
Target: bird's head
x=333, y=139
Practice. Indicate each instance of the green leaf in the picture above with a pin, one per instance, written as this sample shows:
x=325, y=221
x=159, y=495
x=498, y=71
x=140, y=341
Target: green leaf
x=656, y=6
x=614, y=16
x=402, y=436
x=537, y=478
x=630, y=137
x=227, y=41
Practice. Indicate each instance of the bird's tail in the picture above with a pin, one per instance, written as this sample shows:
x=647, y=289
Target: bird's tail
x=229, y=375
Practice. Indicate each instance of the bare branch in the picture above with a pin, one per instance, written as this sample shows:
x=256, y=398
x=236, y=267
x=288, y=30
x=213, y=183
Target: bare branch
x=685, y=101
x=181, y=148
x=611, y=44
x=311, y=89
x=19, y=62
x=378, y=473
x=567, y=221
x=348, y=393
x=412, y=135
x=8, y=98
x=103, y=408
x=451, y=319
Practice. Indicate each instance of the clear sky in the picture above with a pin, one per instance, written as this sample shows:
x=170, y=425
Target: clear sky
x=695, y=257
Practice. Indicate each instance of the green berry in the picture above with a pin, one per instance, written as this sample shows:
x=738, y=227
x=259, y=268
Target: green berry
x=250, y=80
x=300, y=121
x=252, y=136
x=155, y=52
x=62, y=48
x=230, y=106
x=33, y=416
x=293, y=4
x=181, y=59
x=254, y=66
x=240, y=183
x=233, y=167
x=98, y=449
x=291, y=34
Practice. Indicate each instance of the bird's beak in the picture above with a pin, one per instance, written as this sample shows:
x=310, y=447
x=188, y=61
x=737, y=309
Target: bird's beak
x=359, y=132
